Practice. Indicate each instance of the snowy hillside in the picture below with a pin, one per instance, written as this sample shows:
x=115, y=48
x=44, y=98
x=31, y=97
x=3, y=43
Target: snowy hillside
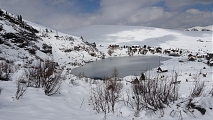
x=19, y=40
x=139, y=35
x=36, y=82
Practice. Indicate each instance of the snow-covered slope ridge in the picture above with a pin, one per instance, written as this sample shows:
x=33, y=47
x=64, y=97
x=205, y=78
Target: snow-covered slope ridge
x=21, y=41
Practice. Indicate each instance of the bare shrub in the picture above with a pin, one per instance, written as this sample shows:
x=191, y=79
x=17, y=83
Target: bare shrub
x=128, y=100
x=45, y=75
x=211, y=92
x=97, y=99
x=113, y=90
x=34, y=77
x=73, y=82
x=5, y=70
x=112, y=93
x=106, y=94
x=197, y=89
x=155, y=94
x=37, y=74
x=115, y=75
x=52, y=84
x=21, y=88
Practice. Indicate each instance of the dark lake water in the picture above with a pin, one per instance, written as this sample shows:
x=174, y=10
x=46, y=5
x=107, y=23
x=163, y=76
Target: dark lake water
x=132, y=65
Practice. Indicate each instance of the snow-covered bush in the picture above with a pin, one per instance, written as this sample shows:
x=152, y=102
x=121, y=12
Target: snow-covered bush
x=154, y=94
x=45, y=75
x=32, y=51
x=106, y=94
x=211, y=92
x=97, y=99
x=52, y=84
x=21, y=88
x=5, y=70
x=198, y=89
x=73, y=82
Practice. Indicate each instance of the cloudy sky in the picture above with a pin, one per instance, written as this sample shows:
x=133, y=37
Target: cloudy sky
x=65, y=15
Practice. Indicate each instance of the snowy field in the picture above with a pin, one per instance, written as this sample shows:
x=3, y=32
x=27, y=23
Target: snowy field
x=72, y=103
x=139, y=35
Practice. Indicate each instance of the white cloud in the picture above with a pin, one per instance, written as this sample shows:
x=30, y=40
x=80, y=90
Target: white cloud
x=194, y=11
x=64, y=14
x=189, y=18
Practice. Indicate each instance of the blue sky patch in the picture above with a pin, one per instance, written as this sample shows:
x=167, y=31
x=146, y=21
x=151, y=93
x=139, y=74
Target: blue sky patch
x=202, y=7
x=88, y=6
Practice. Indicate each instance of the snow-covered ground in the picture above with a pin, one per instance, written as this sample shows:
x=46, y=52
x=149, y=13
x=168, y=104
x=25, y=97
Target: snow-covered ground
x=73, y=101
x=130, y=35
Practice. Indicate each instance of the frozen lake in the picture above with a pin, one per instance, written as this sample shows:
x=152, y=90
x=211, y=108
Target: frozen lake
x=132, y=65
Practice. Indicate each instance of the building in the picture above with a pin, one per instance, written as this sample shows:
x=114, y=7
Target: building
x=136, y=46
x=116, y=46
x=209, y=56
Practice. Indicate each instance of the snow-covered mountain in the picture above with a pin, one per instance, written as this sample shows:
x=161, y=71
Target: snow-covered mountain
x=23, y=44
x=199, y=28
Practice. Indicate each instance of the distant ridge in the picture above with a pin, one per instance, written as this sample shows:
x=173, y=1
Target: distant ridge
x=199, y=28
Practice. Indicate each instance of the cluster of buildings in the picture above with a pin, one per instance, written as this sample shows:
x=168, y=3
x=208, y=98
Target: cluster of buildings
x=171, y=52
x=208, y=57
x=138, y=49
x=145, y=49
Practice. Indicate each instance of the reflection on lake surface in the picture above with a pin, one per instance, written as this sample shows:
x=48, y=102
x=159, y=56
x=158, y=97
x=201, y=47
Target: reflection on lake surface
x=133, y=65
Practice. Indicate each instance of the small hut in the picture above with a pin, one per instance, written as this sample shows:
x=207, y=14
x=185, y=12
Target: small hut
x=209, y=56
x=116, y=46
x=192, y=57
x=162, y=69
